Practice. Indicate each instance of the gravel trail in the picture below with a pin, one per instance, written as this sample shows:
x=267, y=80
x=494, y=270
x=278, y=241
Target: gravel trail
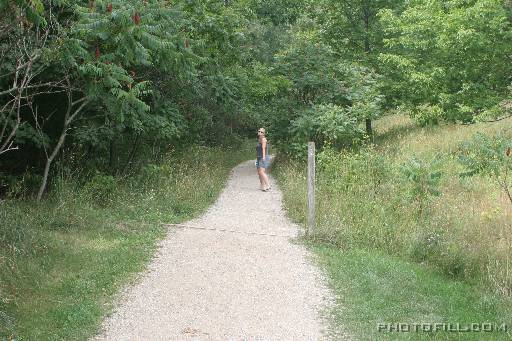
x=235, y=273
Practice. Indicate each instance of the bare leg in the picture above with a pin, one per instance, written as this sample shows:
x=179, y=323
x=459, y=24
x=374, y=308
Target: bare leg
x=263, y=178
x=267, y=183
x=260, y=176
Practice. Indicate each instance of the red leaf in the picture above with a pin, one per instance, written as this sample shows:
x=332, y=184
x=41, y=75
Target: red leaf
x=109, y=8
x=186, y=44
x=98, y=53
x=136, y=18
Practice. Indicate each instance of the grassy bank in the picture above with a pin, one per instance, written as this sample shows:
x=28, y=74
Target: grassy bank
x=457, y=227
x=376, y=292
x=63, y=260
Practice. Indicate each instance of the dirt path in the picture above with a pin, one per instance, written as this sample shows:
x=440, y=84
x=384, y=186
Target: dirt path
x=237, y=275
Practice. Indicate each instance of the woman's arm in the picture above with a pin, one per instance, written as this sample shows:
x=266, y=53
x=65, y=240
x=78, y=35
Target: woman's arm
x=264, y=148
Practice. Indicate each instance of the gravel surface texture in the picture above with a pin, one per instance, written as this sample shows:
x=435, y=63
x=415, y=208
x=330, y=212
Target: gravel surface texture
x=235, y=273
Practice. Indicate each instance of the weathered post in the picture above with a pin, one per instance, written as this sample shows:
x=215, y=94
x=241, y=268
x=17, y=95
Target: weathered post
x=311, y=189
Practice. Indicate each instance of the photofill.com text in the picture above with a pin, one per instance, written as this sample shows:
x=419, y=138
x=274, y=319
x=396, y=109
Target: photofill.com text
x=485, y=327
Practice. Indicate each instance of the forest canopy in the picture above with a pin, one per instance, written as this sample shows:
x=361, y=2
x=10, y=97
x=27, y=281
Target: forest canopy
x=108, y=81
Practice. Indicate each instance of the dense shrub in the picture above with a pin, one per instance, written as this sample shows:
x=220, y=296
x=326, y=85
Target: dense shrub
x=330, y=124
x=422, y=180
x=426, y=114
x=489, y=155
x=101, y=189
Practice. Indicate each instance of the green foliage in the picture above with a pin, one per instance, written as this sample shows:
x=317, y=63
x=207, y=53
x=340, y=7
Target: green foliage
x=449, y=54
x=356, y=33
x=422, y=177
x=362, y=170
x=426, y=114
x=489, y=155
x=353, y=28
x=361, y=205
x=150, y=72
x=306, y=64
x=32, y=11
x=278, y=12
x=19, y=187
x=101, y=189
x=329, y=124
x=324, y=109
x=122, y=53
x=496, y=112
x=486, y=154
x=190, y=71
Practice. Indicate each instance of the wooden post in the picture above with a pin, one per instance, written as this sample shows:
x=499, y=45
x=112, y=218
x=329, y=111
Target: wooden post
x=311, y=189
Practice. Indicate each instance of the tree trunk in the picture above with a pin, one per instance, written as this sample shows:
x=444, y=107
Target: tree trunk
x=367, y=50
x=68, y=118
x=369, y=129
x=111, y=156
x=49, y=161
x=132, y=153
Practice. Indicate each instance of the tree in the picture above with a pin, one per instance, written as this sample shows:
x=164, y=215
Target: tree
x=23, y=36
x=97, y=56
x=451, y=55
x=354, y=31
x=278, y=12
x=328, y=97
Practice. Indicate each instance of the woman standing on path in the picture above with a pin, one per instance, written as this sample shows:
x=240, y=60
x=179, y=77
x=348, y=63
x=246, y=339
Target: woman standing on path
x=262, y=159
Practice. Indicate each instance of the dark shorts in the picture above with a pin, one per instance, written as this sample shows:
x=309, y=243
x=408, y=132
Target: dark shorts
x=260, y=163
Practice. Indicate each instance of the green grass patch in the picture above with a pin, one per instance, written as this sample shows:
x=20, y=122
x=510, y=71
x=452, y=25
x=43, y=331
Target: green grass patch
x=63, y=260
x=374, y=289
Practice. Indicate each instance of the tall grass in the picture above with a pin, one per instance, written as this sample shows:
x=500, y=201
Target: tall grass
x=365, y=200
x=63, y=260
